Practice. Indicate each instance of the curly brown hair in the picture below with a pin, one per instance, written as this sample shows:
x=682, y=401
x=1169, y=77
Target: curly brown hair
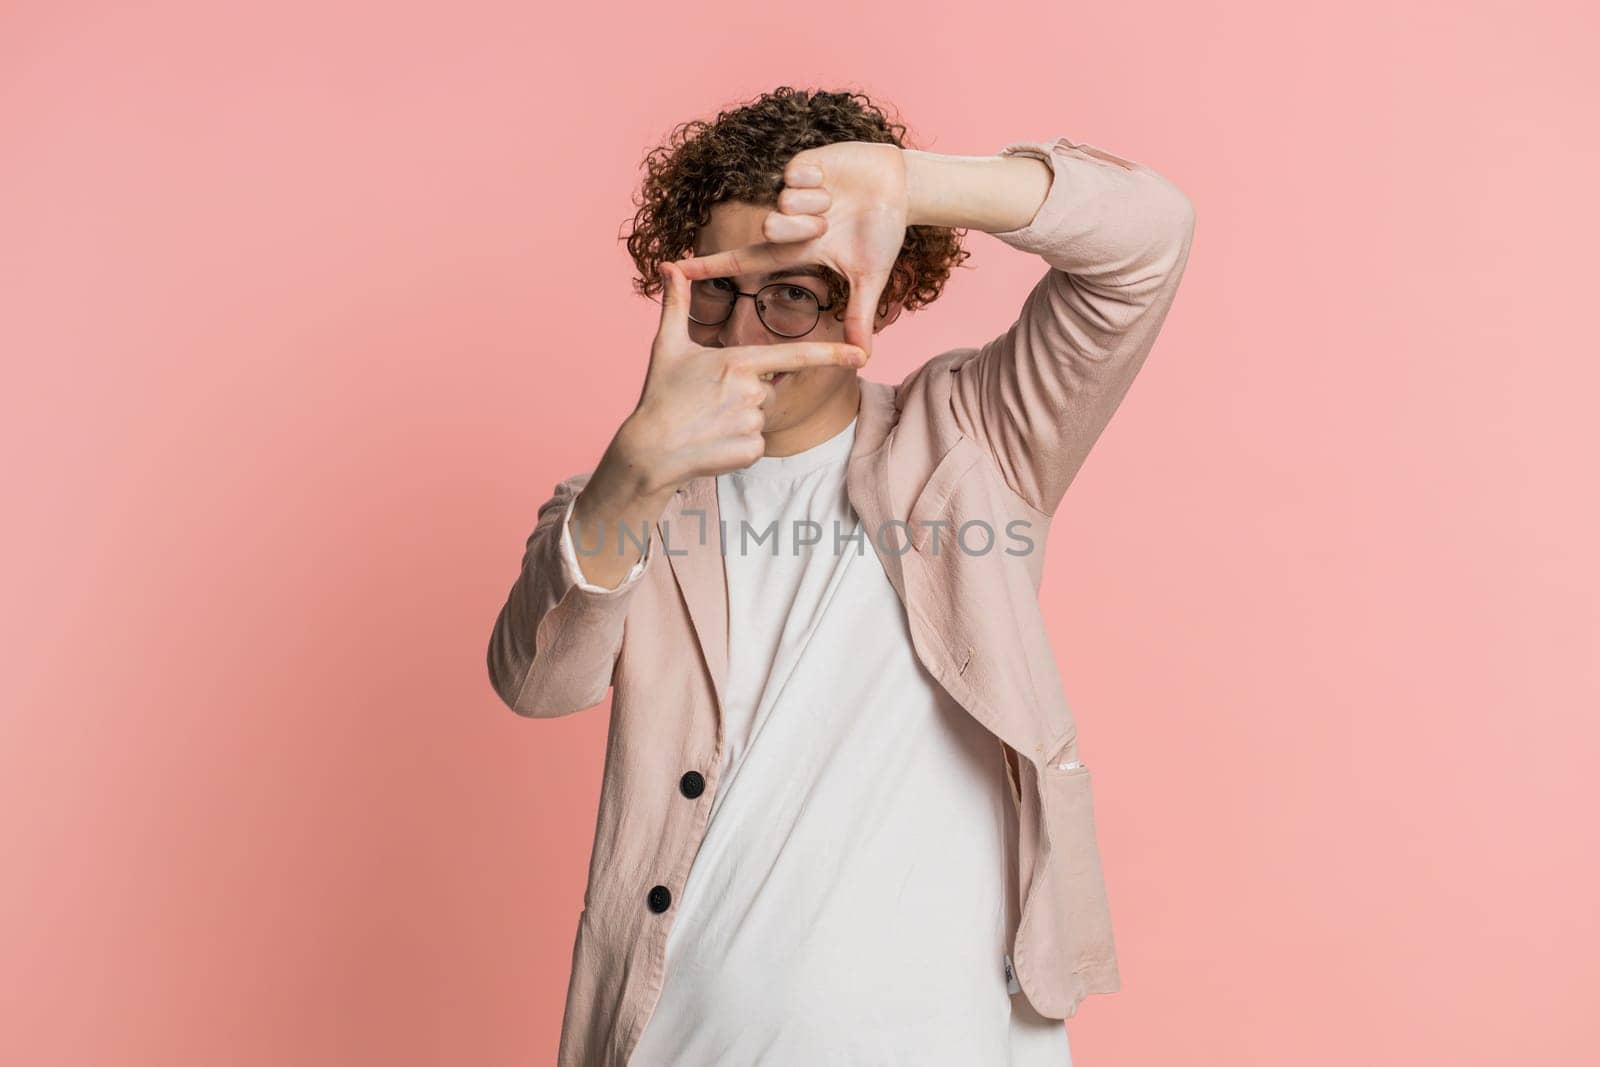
x=740, y=155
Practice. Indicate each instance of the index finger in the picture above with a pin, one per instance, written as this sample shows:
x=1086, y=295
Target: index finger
x=764, y=359
x=764, y=257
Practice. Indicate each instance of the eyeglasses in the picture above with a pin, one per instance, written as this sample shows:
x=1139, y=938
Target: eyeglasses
x=787, y=309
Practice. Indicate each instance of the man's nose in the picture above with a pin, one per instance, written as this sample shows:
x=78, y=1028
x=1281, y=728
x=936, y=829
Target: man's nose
x=743, y=326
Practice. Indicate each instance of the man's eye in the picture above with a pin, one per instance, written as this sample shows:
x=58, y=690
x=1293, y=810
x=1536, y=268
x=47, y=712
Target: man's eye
x=724, y=284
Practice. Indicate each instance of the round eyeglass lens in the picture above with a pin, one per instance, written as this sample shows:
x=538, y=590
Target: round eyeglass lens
x=785, y=308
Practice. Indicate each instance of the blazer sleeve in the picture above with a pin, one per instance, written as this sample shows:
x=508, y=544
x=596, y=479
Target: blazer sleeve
x=555, y=641
x=1116, y=237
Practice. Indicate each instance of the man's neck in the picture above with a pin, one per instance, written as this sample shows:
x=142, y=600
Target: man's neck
x=829, y=419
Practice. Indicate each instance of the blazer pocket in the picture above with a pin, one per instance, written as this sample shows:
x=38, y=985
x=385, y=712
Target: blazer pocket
x=1083, y=912
x=931, y=527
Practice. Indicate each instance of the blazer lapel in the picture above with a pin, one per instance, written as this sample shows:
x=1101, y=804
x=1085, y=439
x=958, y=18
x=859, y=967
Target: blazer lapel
x=690, y=530
x=867, y=479
x=690, y=533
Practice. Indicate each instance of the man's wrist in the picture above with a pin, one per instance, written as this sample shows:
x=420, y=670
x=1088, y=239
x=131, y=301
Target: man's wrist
x=631, y=467
x=920, y=187
x=626, y=484
x=602, y=508
x=995, y=194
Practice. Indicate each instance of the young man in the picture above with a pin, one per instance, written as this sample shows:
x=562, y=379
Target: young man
x=843, y=819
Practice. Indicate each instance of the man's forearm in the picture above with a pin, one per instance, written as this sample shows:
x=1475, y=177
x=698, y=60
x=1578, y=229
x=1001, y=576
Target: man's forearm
x=613, y=514
x=994, y=194
x=1115, y=235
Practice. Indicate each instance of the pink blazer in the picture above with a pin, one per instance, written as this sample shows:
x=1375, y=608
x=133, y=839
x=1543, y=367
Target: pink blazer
x=976, y=446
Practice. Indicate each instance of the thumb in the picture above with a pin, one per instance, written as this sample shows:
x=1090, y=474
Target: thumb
x=862, y=311
x=674, y=302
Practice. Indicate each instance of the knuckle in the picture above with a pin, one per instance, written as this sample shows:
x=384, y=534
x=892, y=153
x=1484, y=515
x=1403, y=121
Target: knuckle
x=739, y=422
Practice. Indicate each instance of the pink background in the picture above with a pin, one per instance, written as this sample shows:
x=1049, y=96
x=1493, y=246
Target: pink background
x=304, y=312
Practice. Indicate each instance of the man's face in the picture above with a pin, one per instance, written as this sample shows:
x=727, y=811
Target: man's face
x=798, y=394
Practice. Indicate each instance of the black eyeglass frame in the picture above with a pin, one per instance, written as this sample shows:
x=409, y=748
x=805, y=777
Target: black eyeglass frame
x=737, y=293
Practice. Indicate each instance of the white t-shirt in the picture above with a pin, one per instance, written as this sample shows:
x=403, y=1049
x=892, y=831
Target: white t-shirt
x=850, y=901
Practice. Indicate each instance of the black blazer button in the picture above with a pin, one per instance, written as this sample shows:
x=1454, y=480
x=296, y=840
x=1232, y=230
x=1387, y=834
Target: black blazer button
x=692, y=784
x=660, y=899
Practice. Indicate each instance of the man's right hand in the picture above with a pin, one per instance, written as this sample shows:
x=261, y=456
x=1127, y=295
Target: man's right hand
x=700, y=414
